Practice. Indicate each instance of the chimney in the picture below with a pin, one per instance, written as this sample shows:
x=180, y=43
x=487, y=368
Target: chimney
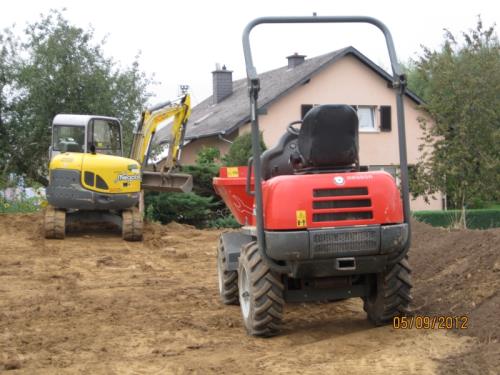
x=222, y=83
x=295, y=60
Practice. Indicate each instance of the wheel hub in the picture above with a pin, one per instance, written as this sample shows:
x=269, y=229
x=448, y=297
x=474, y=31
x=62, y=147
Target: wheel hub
x=244, y=291
x=220, y=273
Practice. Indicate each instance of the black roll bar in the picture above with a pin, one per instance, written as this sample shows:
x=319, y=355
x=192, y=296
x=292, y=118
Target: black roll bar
x=399, y=84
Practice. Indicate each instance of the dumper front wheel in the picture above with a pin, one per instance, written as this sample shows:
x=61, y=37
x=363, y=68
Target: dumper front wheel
x=132, y=224
x=260, y=294
x=228, y=280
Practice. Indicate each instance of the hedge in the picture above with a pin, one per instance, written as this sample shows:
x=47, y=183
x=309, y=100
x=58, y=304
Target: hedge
x=475, y=219
x=188, y=208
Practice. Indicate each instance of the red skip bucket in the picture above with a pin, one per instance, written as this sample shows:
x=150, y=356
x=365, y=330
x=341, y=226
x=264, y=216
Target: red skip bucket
x=230, y=185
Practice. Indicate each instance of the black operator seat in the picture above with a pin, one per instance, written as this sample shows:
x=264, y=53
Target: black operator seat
x=276, y=160
x=328, y=140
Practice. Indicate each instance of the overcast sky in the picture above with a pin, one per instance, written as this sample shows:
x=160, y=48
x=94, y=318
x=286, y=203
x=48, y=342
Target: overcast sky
x=181, y=41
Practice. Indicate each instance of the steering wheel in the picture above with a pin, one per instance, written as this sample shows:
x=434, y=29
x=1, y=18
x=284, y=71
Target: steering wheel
x=292, y=129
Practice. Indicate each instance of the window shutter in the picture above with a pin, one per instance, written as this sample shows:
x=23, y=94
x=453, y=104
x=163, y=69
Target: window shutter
x=385, y=118
x=304, y=109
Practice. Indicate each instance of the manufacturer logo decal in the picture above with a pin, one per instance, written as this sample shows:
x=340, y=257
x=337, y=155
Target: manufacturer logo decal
x=128, y=178
x=339, y=180
x=360, y=176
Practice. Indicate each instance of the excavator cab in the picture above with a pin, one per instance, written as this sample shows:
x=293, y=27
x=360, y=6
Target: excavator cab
x=86, y=134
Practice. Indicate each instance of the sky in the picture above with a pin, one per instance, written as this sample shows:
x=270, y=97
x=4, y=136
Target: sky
x=180, y=42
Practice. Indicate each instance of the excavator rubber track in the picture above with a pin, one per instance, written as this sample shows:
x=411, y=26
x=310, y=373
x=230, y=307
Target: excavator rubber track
x=132, y=224
x=54, y=223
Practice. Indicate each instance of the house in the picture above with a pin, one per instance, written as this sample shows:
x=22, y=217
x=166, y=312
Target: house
x=344, y=76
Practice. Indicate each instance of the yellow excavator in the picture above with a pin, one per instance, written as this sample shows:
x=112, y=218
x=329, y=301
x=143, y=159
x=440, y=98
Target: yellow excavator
x=91, y=181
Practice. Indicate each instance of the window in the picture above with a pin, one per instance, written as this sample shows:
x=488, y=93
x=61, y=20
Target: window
x=68, y=138
x=366, y=116
x=106, y=137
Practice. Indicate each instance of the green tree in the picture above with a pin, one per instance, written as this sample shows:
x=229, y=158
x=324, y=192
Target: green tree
x=241, y=150
x=207, y=156
x=461, y=146
x=198, y=208
x=203, y=207
x=64, y=71
x=206, y=168
x=8, y=63
x=415, y=82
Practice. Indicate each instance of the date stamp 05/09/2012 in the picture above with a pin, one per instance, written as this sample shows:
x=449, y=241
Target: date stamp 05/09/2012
x=430, y=322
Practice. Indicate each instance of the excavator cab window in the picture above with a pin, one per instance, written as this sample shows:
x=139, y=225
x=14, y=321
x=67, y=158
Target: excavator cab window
x=105, y=135
x=68, y=138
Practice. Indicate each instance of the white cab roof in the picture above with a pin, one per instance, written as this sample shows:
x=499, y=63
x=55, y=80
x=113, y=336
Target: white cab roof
x=77, y=120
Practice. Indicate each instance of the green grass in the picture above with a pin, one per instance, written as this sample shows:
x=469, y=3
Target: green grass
x=19, y=206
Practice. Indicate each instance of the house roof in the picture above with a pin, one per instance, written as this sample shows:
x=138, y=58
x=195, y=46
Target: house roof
x=208, y=119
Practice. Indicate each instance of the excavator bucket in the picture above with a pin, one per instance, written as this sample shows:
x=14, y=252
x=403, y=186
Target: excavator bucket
x=167, y=182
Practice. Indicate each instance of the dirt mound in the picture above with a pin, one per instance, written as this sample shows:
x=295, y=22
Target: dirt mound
x=94, y=303
x=457, y=272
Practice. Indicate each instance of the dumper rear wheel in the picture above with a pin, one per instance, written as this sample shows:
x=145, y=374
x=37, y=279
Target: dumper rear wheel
x=390, y=295
x=228, y=280
x=260, y=294
x=132, y=224
x=54, y=223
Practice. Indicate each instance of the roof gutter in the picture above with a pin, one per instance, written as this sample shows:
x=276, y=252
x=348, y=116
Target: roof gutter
x=224, y=139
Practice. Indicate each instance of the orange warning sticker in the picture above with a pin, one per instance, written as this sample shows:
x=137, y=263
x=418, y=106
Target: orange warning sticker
x=232, y=172
x=301, y=218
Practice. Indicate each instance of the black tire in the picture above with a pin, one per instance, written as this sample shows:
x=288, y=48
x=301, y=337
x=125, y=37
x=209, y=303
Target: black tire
x=228, y=280
x=132, y=225
x=391, y=294
x=260, y=294
x=54, y=223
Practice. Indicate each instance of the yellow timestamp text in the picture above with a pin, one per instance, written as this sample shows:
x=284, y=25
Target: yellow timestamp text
x=430, y=322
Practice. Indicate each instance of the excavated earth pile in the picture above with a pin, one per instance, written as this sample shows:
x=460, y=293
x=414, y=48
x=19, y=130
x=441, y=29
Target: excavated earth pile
x=95, y=304
x=457, y=273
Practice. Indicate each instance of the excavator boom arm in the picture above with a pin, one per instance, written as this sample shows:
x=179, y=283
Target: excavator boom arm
x=165, y=180
x=150, y=119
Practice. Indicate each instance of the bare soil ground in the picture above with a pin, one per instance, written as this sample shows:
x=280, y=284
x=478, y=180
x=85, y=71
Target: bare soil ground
x=94, y=304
